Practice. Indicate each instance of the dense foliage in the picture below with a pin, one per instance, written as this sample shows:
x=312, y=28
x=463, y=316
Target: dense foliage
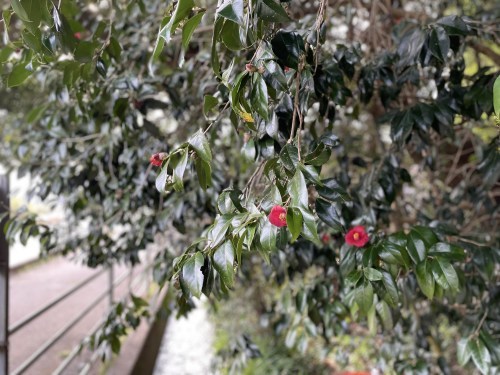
x=344, y=155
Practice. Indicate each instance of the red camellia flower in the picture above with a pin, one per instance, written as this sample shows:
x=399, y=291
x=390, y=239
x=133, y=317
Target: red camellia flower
x=277, y=216
x=357, y=236
x=156, y=159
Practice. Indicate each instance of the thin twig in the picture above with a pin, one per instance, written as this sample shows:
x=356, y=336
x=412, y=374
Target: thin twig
x=476, y=331
x=219, y=116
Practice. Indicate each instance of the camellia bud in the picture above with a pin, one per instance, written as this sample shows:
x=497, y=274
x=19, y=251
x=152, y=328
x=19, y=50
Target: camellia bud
x=77, y=35
x=250, y=68
x=157, y=159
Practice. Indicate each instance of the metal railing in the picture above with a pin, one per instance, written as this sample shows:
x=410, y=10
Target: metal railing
x=109, y=292
x=6, y=330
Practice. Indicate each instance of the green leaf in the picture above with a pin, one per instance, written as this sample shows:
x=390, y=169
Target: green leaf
x=19, y=10
x=463, y=351
x=448, y=251
x=179, y=170
x=298, y=190
x=444, y=274
x=364, y=296
x=209, y=103
x=425, y=279
x=224, y=263
x=353, y=278
x=259, y=96
x=270, y=11
x=416, y=247
x=393, y=253
x=454, y=25
x=309, y=227
x=192, y=275
x=391, y=296
x=18, y=75
x=332, y=191
x=219, y=229
x=480, y=355
x=384, y=312
x=200, y=144
x=372, y=274
x=294, y=222
x=288, y=47
x=204, y=172
x=189, y=28
x=289, y=156
x=328, y=214
x=401, y=126
x=268, y=234
x=496, y=96
x=232, y=10
x=230, y=35
x=427, y=235
x=319, y=156
x=439, y=43
x=161, y=179
x=182, y=10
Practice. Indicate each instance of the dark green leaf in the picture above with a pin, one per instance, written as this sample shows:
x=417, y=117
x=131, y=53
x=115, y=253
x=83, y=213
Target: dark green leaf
x=288, y=46
x=269, y=10
x=439, y=43
x=364, y=296
x=192, y=274
x=224, y=263
x=289, y=156
x=189, y=27
x=453, y=25
x=384, y=312
x=200, y=144
x=328, y=214
x=425, y=279
x=19, y=10
x=480, y=355
x=309, y=227
x=209, y=102
x=416, y=247
x=448, y=251
x=179, y=170
x=232, y=10
x=298, y=190
x=259, y=96
x=332, y=191
x=294, y=222
x=391, y=296
x=463, y=352
x=444, y=274
x=230, y=35
x=204, y=172
x=401, y=126
x=268, y=234
x=18, y=75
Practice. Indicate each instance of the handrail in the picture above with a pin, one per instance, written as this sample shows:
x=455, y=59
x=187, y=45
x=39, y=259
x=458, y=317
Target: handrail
x=48, y=344
x=21, y=323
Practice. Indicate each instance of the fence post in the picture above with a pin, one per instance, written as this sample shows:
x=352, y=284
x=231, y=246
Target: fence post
x=4, y=278
x=111, y=281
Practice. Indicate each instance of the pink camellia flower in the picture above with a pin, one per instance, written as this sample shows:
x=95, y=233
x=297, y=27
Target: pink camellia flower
x=157, y=159
x=277, y=216
x=357, y=236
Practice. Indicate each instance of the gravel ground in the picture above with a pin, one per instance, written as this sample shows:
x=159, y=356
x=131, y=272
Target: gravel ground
x=187, y=345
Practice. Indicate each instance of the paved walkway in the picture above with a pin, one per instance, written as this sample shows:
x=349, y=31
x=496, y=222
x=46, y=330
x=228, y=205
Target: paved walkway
x=187, y=345
x=34, y=287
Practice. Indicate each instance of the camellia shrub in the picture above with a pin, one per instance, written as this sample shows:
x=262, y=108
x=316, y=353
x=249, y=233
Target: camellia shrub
x=344, y=154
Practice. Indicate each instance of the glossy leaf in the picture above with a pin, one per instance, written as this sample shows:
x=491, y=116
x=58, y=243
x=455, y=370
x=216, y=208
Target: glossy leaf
x=192, y=275
x=294, y=222
x=298, y=190
x=200, y=144
x=224, y=263
x=425, y=279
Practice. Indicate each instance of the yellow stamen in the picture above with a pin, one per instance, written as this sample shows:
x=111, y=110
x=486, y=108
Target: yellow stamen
x=356, y=236
x=283, y=217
